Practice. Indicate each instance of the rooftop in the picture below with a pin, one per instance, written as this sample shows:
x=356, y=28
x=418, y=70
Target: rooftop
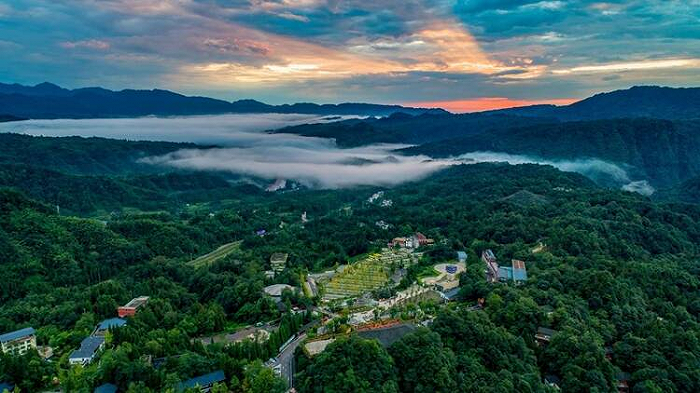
x=17, y=334
x=111, y=323
x=279, y=257
x=451, y=294
x=546, y=331
x=106, y=388
x=137, y=302
x=88, y=347
x=202, y=380
x=276, y=289
x=387, y=335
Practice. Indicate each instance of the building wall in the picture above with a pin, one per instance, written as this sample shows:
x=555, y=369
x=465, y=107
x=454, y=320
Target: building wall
x=19, y=346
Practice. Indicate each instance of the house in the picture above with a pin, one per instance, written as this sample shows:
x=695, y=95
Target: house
x=89, y=348
x=387, y=335
x=544, y=335
x=622, y=382
x=203, y=382
x=415, y=241
x=18, y=342
x=461, y=256
x=106, y=388
x=450, y=295
x=130, y=309
x=491, y=262
x=104, y=326
x=552, y=380
x=278, y=261
x=402, y=242
x=516, y=272
x=276, y=290
x=419, y=239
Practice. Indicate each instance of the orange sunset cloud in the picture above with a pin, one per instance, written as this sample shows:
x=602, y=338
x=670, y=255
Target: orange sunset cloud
x=487, y=103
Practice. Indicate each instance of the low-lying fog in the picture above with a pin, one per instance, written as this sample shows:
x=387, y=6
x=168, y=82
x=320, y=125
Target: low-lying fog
x=245, y=148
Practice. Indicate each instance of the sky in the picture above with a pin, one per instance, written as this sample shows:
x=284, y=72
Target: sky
x=463, y=55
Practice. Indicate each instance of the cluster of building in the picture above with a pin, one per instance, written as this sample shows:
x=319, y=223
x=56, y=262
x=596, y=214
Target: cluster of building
x=414, y=241
x=92, y=345
x=517, y=272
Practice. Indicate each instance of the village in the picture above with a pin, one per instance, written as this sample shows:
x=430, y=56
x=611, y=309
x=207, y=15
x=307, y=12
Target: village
x=365, y=297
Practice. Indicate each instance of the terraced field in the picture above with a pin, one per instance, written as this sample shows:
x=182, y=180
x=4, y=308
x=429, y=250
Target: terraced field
x=363, y=276
x=221, y=252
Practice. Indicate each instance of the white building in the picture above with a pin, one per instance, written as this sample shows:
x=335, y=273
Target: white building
x=19, y=341
x=88, y=351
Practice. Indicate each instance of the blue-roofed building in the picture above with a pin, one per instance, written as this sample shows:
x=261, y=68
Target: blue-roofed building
x=461, y=256
x=106, y=388
x=104, y=326
x=450, y=295
x=203, y=382
x=516, y=272
x=89, y=348
x=4, y=386
x=18, y=342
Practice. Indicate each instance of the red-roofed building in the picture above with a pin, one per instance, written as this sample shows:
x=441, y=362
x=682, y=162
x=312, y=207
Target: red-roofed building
x=129, y=309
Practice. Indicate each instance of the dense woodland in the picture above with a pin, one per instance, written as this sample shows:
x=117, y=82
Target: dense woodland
x=618, y=271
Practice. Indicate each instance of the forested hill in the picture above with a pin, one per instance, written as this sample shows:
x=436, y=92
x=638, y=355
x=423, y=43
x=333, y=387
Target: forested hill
x=639, y=101
x=662, y=151
x=403, y=128
x=687, y=191
x=90, y=195
x=84, y=156
x=48, y=101
x=616, y=278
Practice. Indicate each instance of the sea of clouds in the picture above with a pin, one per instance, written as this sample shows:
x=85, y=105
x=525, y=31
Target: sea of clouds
x=246, y=148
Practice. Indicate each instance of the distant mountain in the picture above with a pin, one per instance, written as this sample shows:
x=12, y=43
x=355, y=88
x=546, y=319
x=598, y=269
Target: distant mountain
x=48, y=101
x=402, y=128
x=639, y=101
x=6, y=118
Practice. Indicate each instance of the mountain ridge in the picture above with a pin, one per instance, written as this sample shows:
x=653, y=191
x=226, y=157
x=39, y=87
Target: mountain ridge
x=50, y=101
x=661, y=102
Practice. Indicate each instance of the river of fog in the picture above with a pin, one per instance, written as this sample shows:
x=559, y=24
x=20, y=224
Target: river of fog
x=244, y=147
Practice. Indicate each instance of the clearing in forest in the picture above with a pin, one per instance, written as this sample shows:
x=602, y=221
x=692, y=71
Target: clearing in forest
x=221, y=252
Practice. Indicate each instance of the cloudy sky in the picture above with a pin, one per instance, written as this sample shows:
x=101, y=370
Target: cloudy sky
x=459, y=54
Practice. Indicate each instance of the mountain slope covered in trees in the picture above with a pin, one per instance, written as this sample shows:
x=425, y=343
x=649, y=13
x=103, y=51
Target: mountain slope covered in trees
x=618, y=271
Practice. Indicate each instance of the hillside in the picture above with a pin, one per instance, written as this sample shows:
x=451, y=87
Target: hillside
x=83, y=156
x=48, y=101
x=659, y=150
x=687, y=191
x=403, y=128
x=618, y=277
x=638, y=101
x=86, y=195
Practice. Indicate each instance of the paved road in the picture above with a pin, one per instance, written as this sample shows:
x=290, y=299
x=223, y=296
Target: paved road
x=286, y=359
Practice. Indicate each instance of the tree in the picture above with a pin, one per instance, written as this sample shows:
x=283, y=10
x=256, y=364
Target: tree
x=351, y=365
x=261, y=379
x=423, y=363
